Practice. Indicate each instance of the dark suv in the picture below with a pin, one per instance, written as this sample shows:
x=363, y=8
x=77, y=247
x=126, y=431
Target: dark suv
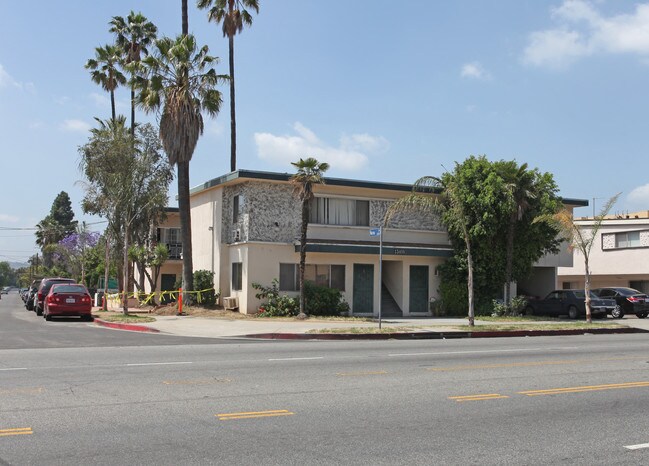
x=31, y=291
x=629, y=300
x=44, y=288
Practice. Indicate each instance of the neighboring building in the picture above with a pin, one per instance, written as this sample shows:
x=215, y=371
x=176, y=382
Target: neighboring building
x=169, y=235
x=619, y=256
x=246, y=227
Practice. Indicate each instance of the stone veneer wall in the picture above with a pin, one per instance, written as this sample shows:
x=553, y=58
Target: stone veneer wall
x=271, y=213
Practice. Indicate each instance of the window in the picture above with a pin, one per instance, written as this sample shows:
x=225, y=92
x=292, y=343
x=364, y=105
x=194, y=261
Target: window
x=237, y=276
x=237, y=207
x=336, y=211
x=169, y=235
x=331, y=276
x=630, y=239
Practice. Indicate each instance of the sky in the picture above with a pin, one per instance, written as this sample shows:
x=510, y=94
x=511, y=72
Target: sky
x=381, y=90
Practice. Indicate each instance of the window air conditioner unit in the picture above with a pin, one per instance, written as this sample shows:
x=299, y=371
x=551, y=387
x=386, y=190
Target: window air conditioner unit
x=236, y=235
x=231, y=303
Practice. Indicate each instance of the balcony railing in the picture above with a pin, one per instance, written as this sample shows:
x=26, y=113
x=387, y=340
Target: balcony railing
x=175, y=250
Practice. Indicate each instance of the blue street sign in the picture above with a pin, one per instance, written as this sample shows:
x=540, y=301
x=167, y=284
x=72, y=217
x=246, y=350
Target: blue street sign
x=375, y=231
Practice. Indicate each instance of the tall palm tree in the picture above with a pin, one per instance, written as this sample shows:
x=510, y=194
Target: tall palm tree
x=179, y=78
x=133, y=35
x=233, y=16
x=104, y=70
x=519, y=182
x=309, y=172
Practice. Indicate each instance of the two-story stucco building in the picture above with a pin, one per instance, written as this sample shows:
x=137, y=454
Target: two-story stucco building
x=619, y=255
x=246, y=227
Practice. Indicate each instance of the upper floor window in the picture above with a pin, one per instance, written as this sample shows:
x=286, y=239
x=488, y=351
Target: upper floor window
x=169, y=235
x=337, y=211
x=237, y=207
x=629, y=239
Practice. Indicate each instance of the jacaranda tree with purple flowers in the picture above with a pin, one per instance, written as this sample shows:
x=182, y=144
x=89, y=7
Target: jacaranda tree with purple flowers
x=73, y=248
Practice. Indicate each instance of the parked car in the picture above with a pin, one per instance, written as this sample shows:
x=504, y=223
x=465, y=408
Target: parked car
x=630, y=301
x=44, y=289
x=571, y=303
x=67, y=299
x=29, y=299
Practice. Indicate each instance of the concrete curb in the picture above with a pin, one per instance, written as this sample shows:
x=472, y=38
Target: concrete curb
x=437, y=335
x=124, y=326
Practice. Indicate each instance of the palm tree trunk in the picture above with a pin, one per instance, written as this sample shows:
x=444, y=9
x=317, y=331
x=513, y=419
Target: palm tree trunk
x=185, y=18
x=305, y=224
x=233, y=121
x=510, y=259
x=185, y=227
x=106, y=272
x=112, y=104
x=125, y=281
x=132, y=111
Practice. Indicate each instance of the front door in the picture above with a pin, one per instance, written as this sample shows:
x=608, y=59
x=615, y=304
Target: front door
x=167, y=282
x=363, y=295
x=418, y=288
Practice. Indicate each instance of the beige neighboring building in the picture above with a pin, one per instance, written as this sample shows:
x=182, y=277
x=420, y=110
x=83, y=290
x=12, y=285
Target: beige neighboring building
x=619, y=256
x=169, y=235
x=246, y=227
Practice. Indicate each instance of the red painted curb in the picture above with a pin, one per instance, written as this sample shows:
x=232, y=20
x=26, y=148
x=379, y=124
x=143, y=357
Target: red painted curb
x=131, y=327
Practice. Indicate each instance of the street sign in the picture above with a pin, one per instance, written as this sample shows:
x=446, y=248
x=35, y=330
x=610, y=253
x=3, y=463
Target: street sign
x=375, y=231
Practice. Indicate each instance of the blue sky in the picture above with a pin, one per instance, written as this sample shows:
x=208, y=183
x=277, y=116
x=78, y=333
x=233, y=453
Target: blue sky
x=380, y=90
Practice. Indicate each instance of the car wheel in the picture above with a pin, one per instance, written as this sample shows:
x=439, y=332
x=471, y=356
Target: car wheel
x=572, y=312
x=617, y=312
x=39, y=311
x=529, y=311
x=48, y=317
x=641, y=315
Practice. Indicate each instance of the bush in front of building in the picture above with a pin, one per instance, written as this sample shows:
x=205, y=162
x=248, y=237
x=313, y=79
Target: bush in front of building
x=320, y=301
x=204, y=280
x=324, y=301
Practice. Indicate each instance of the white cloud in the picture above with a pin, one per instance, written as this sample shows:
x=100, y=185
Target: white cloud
x=583, y=31
x=214, y=128
x=6, y=80
x=75, y=126
x=638, y=198
x=8, y=218
x=474, y=70
x=351, y=154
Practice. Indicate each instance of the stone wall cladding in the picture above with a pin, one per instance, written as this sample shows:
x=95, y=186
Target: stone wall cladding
x=644, y=239
x=269, y=213
x=608, y=241
x=427, y=221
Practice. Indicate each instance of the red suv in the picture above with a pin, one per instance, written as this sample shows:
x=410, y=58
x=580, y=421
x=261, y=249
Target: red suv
x=43, y=289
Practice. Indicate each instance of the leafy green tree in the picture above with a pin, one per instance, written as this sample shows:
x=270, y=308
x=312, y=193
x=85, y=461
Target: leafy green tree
x=7, y=274
x=580, y=238
x=127, y=181
x=309, y=173
x=104, y=70
x=233, y=15
x=179, y=78
x=133, y=35
x=55, y=226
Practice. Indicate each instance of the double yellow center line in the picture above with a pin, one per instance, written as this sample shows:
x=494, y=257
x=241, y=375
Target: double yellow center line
x=16, y=431
x=253, y=414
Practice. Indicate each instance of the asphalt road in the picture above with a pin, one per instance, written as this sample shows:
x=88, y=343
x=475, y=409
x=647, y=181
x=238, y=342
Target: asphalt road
x=543, y=400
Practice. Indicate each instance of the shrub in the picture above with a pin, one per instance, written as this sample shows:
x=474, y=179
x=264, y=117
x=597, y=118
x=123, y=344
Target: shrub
x=515, y=308
x=276, y=305
x=204, y=280
x=324, y=301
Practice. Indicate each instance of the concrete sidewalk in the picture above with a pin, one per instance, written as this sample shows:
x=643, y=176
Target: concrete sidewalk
x=268, y=328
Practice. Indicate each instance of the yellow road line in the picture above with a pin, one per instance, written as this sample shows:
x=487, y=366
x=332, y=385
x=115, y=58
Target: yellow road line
x=16, y=431
x=349, y=374
x=486, y=396
x=585, y=388
x=253, y=414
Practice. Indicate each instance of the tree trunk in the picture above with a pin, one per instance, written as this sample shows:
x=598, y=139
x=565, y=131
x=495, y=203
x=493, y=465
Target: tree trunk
x=509, y=259
x=106, y=273
x=589, y=316
x=185, y=228
x=185, y=18
x=305, y=224
x=132, y=111
x=125, y=280
x=112, y=104
x=470, y=283
x=233, y=121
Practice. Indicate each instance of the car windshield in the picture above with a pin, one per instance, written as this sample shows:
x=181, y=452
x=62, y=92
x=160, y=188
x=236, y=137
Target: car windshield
x=68, y=289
